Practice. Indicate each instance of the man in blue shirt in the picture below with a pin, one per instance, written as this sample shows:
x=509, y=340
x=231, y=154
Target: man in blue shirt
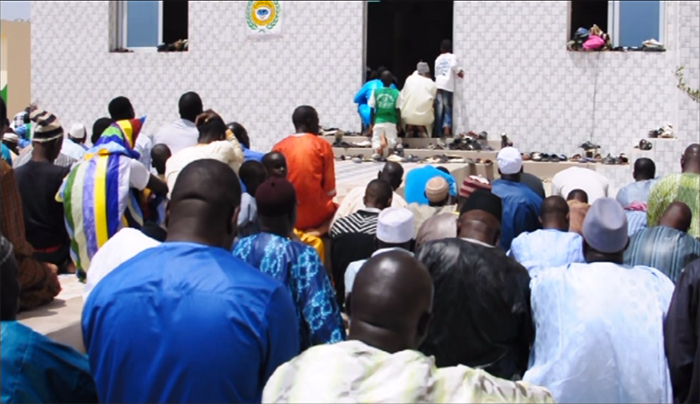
x=295, y=264
x=186, y=321
x=241, y=134
x=416, y=179
x=521, y=206
x=36, y=369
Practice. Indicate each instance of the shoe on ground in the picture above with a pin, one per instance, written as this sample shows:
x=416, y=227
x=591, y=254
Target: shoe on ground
x=357, y=159
x=588, y=145
x=395, y=158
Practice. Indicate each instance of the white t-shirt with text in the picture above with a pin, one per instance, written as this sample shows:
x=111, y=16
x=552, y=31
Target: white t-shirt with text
x=446, y=70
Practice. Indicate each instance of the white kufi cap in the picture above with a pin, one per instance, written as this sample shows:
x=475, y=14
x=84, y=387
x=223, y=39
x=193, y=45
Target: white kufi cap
x=395, y=225
x=509, y=160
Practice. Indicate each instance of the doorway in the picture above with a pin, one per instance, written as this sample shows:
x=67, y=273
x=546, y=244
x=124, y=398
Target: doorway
x=402, y=33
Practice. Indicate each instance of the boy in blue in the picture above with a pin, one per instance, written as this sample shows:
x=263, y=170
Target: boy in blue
x=186, y=321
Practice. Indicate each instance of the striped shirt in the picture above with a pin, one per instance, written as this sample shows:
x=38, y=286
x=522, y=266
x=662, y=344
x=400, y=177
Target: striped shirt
x=636, y=222
x=664, y=248
x=364, y=221
x=353, y=372
x=676, y=187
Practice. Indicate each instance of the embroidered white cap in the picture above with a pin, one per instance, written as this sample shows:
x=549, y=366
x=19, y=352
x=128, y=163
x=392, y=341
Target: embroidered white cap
x=395, y=225
x=77, y=131
x=509, y=160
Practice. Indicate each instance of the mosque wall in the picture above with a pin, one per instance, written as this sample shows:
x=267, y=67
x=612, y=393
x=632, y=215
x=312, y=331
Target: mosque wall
x=317, y=60
x=520, y=79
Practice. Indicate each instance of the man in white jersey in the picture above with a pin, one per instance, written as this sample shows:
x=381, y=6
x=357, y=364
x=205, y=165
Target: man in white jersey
x=446, y=68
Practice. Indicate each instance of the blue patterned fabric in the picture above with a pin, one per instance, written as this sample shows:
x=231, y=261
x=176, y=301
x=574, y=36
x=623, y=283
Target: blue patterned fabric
x=547, y=248
x=599, y=334
x=666, y=249
x=636, y=222
x=299, y=267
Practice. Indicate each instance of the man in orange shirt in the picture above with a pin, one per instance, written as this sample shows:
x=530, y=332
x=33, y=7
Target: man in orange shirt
x=312, y=171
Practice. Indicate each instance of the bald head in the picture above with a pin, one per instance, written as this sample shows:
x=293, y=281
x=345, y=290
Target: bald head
x=479, y=225
x=159, y=156
x=391, y=302
x=554, y=213
x=578, y=195
x=204, y=204
x=677, y=216
x=392, y=173
x=387, y=78
x=305, y=120
x=276, y=164
x=378, y=194
x=644, y=169
x=690, y=162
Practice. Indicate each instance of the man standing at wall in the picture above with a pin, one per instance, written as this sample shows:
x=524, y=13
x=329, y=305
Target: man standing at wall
x=446, y=68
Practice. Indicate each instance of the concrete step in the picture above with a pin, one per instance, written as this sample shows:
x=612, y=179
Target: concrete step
x=422, y=153
x=413, y=143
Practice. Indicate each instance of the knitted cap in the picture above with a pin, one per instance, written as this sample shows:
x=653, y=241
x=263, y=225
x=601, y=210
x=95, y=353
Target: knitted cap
x=472, y=183
x=47, y=127
x=437, y=189
x=275, y=197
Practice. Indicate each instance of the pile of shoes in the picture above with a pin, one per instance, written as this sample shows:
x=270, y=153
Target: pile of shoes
x=652, y=45
x=664, y=132
x=644, y=145
x=589, y=146
x=181, y=45
x=545, y=158
x=122, y=50
x=505, y=141
x=610, y=160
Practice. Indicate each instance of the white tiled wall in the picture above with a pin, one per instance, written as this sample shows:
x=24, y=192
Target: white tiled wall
x=519, y=77
x=258, y=82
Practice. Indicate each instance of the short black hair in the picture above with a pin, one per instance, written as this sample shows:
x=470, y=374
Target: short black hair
x=305, y=117
x=252, y=174
x=443, y=169
x=553, y=205
x=644, y=168
x=379, y=191
x=190, y=105
x=578, y=194
x=446, y=45
x=240, y=132
x=213, y=128
x=100, y=125
x=120, y=108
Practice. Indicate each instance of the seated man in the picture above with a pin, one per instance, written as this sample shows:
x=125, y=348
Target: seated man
x=34, y=368
x=682, y=187
x=437, y=190
x=183, y=132
x=577, y=200
x=241, y=134
x=312, y=171
x=599, y=336
x=666, y=247
x=680, y=336
x=394, y=233
x=638, y=191
x=475, y=323
x=593, y=183
x=354, y=200
x=417, y=99
x=276, y=165
x=253, y=173
x=216, y=328
x=553, y=245
x=38, y=181
x=352, y=237
x=416, y=180
x=160, y=154
x=292, y=263
x=390, y=310
x=521, y=206
x=74, y=143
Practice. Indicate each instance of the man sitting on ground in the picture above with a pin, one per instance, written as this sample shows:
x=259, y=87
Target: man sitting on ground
x=354, y=200
x=183, y=132
x=666, y=247
x=352, y=237
x=253, y=173
x=437, y=190
x=296, y=265
x=599, y=336
x=390, y=310
x=74, y=144
x=394, y=230
x=312, y=171
x=521, y=206
x=216, y=328
x=593, y=183
x=476, y=323
x=553, y=245
x=36, y=369
x=577, y=200
x=241, y=134
x=638, y=191
x=417, y=178
x=683, y=187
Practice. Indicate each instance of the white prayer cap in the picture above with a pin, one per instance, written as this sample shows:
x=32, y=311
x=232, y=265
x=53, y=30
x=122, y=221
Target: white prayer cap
x=395, y=226
x=509, y=160
x=77, y=131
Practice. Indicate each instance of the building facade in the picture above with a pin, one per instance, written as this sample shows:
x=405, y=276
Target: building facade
x=520, y=78
x=15, y=61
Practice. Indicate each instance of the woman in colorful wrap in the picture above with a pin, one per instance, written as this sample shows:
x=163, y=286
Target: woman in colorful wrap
x=100, y=194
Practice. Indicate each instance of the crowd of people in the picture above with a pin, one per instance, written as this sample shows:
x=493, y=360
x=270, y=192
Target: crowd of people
x=217, y=273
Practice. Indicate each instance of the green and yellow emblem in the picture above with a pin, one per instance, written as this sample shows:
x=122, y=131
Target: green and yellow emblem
x=263, y=16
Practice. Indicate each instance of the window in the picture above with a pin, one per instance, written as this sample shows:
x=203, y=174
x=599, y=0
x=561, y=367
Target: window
x=629, y=23
x=144, y=25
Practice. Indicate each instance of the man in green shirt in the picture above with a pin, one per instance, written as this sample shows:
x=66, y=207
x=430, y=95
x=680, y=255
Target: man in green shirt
x=385, y=117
